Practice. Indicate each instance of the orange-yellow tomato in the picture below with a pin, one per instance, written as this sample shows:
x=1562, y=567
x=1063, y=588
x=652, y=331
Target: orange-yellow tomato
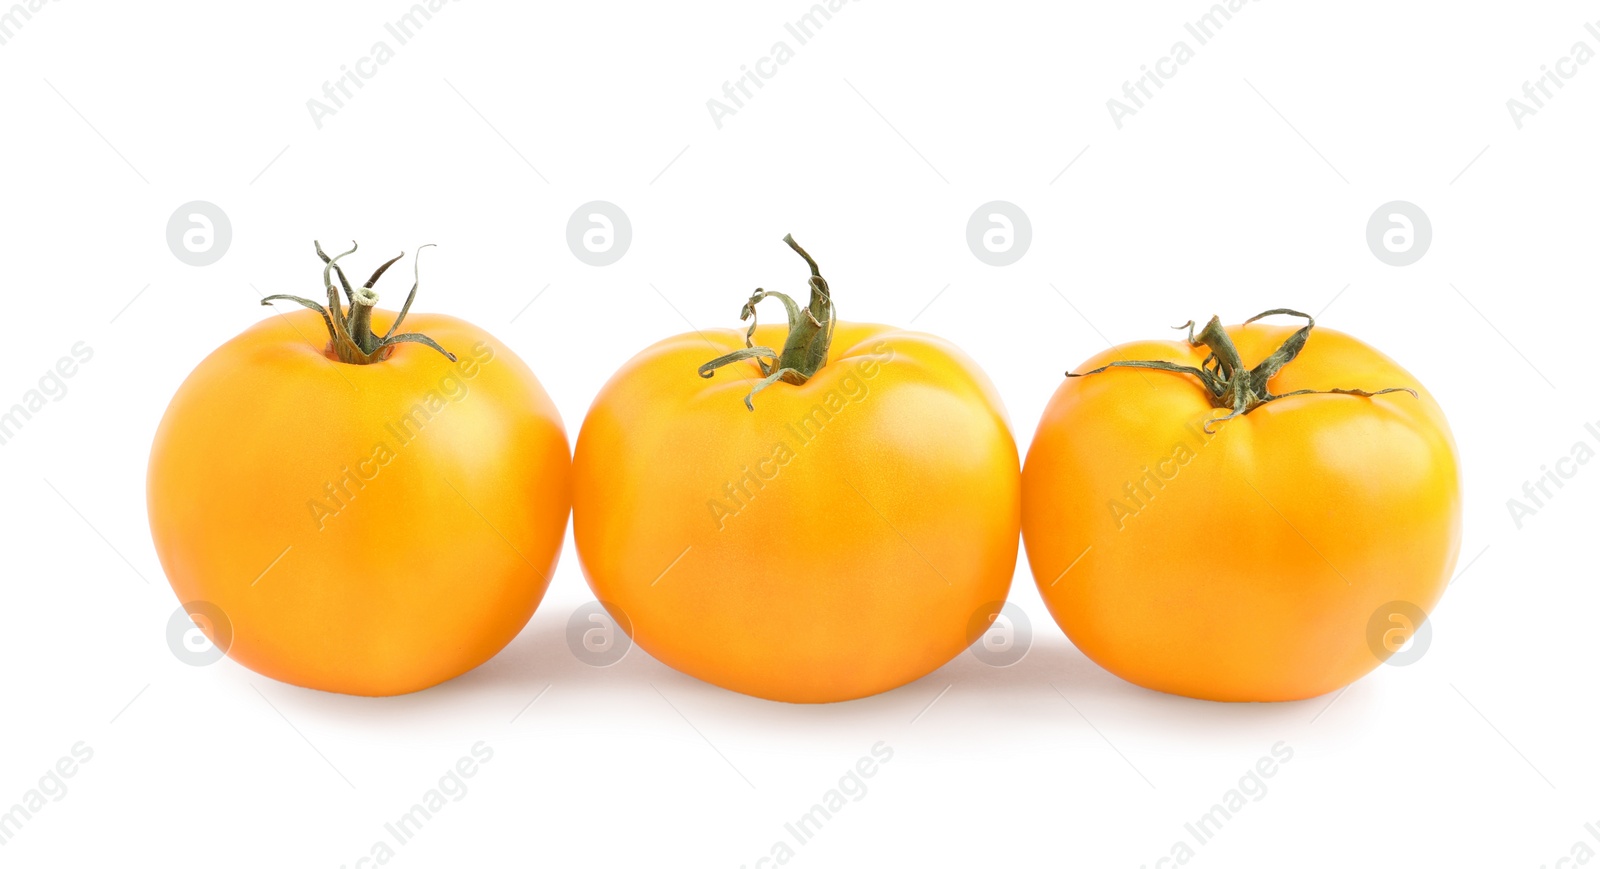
x=366, y=529
x=1271, y=559
x=837, y=541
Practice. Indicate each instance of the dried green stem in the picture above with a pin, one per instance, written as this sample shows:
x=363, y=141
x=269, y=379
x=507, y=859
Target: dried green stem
x=350, y=335
x=1228, y=383
x=805, y=350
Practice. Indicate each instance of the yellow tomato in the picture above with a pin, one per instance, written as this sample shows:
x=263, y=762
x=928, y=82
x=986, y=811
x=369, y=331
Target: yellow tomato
x=367, y=528
x=1267, y=556
x=833, y=538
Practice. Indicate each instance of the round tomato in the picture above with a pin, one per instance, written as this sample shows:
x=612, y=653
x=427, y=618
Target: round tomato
x=1232, y=533
x=369, y=515
x=814, y=525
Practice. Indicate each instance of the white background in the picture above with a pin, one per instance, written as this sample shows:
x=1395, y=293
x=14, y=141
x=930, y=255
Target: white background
x=1245, y=184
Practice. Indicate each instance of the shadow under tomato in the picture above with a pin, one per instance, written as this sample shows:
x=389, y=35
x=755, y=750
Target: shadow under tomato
x=1053, y=688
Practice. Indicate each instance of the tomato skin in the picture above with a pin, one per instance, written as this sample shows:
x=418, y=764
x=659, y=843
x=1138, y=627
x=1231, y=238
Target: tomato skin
x=836, y=566
x=1248, y=564
x=436, y=537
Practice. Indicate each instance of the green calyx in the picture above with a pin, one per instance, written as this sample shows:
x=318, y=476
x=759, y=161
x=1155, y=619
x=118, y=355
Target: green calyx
x=1230, y=385
x=350, y=334
x=805, y=350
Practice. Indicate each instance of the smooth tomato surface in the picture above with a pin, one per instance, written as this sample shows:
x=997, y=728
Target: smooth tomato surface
x=367, y=529
x=1254, y=562
x=836, y=542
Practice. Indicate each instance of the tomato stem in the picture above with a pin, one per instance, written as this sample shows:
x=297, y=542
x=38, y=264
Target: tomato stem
x=805, y=350
x=350, y=335
x=1228, y=382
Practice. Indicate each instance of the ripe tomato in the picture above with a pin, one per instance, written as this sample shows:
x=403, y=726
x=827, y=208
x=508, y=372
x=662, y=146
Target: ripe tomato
x=369, y=528
x=834, y=536
x=1257, y=557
